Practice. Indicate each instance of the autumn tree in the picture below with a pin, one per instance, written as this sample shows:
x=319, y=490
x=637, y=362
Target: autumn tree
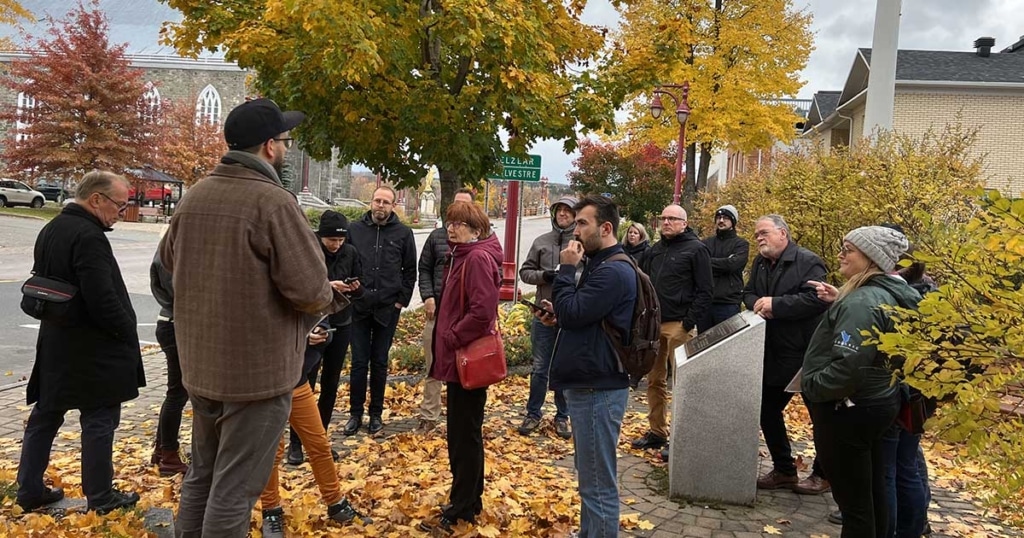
x=399, y=86
x=639, y=179
x=965, y=343
x=187, y=146
x=81, y=109
x=739, y=56
x=825, y=192
x=11, y=14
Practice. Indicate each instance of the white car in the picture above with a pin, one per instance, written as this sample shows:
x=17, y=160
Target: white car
x=17, y=193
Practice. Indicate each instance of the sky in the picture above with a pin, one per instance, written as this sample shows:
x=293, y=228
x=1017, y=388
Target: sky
x=841, y=27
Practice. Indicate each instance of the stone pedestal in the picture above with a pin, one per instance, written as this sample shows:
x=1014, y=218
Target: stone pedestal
x=716, y=405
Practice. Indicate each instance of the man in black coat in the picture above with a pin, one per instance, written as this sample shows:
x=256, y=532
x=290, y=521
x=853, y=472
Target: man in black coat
x=387, y=251
x=778, y=291
x=680, y=269
x=729, y=254
x=89, y=359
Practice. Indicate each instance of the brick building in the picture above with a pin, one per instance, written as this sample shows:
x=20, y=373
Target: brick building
x=982, y=89
x=216, y=84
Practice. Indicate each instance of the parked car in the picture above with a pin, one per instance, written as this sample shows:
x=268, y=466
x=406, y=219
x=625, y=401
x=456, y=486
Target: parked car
x=17, y=193
x=54, y=193
x=162, y=193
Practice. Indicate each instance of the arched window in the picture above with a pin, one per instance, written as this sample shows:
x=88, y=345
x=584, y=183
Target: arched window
x=208, y=105
x=26, y=107
x=149, y=104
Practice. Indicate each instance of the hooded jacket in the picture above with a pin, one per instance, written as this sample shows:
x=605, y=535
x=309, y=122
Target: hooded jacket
x=387, y=253
x=433, y=258
x=637, y=251
x=729, y=254
x=838, y=364
x=544, y=252
x=340, y=265
x=680, y=269
x=469, y=302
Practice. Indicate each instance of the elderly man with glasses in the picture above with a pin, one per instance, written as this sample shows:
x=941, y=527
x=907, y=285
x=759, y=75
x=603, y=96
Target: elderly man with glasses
x=679, y=266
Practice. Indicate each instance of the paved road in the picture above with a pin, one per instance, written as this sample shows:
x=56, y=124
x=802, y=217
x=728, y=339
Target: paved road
x=133, y=245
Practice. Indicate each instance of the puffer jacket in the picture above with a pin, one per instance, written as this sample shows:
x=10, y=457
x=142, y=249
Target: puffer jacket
x=543, y=255
x=838, y=365
x=432, y=260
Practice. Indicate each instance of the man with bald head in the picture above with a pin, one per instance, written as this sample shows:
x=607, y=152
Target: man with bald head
x=679, y=266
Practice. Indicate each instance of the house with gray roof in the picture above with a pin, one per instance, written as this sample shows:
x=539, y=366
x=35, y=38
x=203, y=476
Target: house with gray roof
x=982, y=89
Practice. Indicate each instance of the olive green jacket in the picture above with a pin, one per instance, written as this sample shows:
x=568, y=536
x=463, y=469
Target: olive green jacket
x=837, y=364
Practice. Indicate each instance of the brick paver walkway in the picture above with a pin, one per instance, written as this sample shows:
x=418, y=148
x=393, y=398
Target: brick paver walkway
x=643, y=485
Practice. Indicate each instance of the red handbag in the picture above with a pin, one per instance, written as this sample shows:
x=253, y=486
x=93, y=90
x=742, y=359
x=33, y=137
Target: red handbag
x=481, y=363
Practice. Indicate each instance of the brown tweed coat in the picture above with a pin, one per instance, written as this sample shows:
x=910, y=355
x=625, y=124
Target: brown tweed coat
x=249, y=283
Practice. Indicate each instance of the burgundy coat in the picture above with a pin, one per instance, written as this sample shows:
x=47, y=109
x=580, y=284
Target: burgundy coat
x=462, y=320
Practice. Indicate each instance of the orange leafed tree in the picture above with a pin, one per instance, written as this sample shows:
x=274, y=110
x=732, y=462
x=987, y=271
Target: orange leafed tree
x=79, y=102
x=187, y=147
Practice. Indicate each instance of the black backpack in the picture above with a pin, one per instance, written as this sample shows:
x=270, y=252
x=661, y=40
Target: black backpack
x=638, y=355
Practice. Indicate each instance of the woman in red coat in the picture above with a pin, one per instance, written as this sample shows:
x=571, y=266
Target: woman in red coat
x=468, y=310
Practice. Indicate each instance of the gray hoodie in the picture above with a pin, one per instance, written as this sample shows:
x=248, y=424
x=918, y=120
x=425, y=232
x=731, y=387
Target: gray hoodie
x=543, y=255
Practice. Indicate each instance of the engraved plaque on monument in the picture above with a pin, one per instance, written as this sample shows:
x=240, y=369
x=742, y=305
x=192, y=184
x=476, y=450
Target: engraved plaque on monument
x=716, y=405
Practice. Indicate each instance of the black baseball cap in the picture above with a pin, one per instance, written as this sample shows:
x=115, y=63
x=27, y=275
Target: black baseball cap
x=254, y=122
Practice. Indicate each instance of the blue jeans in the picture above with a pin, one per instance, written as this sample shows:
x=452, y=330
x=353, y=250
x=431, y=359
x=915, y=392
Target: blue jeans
x=370, y=344
x=906, y=489
x=542, y=343
x=596, y=423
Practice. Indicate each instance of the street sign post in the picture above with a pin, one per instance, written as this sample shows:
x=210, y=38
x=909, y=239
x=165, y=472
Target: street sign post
x=517, y=168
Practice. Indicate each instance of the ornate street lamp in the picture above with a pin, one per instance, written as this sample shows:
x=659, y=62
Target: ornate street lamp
x=682, y=114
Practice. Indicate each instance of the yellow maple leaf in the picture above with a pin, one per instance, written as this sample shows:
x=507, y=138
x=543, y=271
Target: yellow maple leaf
x=768, y=529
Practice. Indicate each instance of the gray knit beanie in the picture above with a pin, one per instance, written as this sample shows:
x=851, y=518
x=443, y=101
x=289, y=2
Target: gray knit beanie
x=882, y=245
x=729, y=211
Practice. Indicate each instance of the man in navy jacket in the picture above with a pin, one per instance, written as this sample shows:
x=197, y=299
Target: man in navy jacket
x=584, y=364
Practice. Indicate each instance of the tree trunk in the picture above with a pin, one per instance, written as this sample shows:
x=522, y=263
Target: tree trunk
x=449, y=184
x=705, y=164
x=689, y=185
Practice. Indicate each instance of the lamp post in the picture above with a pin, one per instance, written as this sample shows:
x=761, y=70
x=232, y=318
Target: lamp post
x=682, y=114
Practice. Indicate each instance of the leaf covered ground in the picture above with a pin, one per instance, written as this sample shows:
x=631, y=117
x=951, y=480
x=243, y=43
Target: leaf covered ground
x=400, y=479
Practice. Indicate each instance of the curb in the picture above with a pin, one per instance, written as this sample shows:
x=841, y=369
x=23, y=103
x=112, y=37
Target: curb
x=17, y=216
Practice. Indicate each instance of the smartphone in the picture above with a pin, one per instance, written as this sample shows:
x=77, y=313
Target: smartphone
x=536, y=306
x=350, y=279
x=319, y=330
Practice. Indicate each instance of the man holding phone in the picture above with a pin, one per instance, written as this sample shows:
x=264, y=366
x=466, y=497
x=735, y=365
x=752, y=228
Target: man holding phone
x=433, y=258
x=539, y=269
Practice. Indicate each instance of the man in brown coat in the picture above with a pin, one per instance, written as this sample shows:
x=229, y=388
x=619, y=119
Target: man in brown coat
x=250, y=283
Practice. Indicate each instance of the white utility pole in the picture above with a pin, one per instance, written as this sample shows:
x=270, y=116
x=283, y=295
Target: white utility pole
x=882, y=80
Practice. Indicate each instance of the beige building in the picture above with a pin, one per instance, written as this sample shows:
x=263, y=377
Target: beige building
x=982, y=89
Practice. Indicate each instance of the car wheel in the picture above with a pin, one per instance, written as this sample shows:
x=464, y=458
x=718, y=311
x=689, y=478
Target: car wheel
x=3, y=201
x=37, y=203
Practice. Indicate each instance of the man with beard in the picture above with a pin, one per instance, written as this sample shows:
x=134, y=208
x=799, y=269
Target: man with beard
x=387, y=252
x=680, y=269
x=249, y=284
x=539, y=269
x=728, y=258
x=779, y=292
x=584, y=364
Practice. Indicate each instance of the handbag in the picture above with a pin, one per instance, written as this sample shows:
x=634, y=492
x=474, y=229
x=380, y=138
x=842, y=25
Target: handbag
x=913, y=413
x=481, y=363
x=47, y=299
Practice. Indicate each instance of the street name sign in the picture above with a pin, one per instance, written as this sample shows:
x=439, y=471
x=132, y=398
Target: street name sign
x=517, y=168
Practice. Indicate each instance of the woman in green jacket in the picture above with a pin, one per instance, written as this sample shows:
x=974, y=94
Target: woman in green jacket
x=849, y=389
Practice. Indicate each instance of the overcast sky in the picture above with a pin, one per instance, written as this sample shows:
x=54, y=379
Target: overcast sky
x=841, y=27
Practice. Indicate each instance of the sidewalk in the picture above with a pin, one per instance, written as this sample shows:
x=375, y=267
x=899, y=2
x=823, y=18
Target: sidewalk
x=643, y=483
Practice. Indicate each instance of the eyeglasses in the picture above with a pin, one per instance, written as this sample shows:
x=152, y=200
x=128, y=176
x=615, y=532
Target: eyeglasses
x=287, y=142
x=764, y=233
x=722, y=217
x=671, y=219
x=120, y=207
x=382, y=202
x=454, y=224
x=845, y=250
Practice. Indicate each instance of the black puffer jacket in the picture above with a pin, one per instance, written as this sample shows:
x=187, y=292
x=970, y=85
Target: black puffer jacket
x=432, y=260
x=680, y=269
x=729, y=254
x=796, y=308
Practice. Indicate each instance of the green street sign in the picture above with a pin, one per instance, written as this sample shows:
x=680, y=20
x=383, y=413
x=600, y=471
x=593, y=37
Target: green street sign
x=517, y=168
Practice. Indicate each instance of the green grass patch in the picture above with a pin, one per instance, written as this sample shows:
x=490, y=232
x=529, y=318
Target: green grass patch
x=47, y=212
